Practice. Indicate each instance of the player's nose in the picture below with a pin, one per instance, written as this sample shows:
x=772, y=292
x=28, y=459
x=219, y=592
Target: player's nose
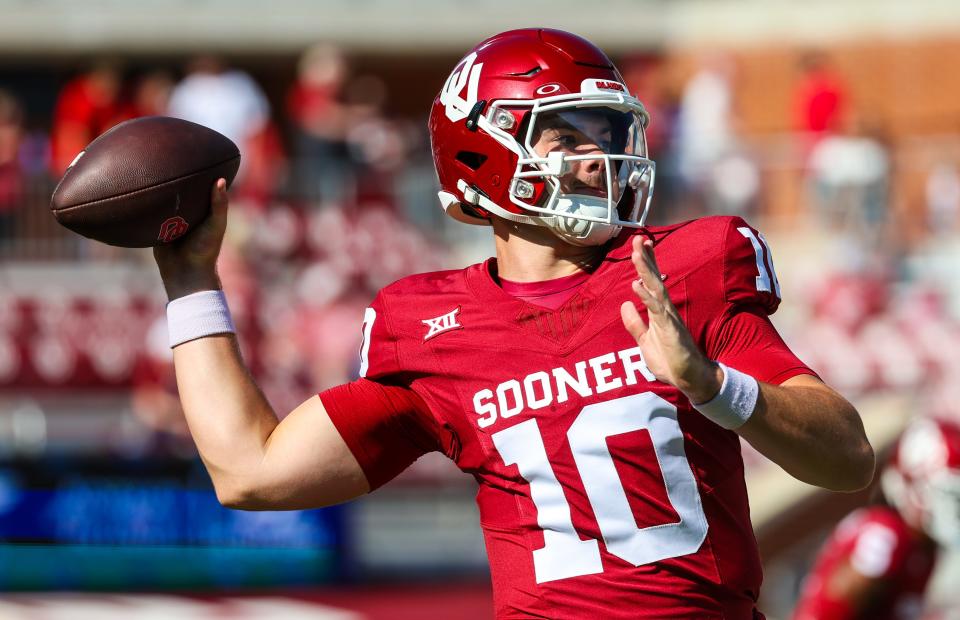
x=596, y=166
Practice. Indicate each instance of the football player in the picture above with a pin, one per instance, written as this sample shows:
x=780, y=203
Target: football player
x=877, y=563
x=595, y=377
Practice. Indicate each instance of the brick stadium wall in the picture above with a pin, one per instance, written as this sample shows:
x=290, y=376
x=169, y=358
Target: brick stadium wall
x=907, y=86
x=904, y=89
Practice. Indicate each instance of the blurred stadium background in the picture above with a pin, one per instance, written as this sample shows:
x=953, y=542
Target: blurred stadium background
x=834, y=126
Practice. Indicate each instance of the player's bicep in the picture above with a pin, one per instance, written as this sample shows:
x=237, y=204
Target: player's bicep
x=307, y=463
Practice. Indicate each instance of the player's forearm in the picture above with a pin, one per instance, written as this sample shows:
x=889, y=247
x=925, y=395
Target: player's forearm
x=813, y=433
x=228, y=416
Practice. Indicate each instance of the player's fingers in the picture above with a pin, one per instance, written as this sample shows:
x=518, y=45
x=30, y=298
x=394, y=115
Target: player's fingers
x=650, y=259
x=632, y=320
x=218, y=206
x=646, y=296
x=653, y=282
x=636, y=257
x=645, y=264
x=218, y=198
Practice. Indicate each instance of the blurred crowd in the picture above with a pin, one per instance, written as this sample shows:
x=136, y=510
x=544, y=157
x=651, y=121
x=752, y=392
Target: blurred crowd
x=316, y=229
x=334, y=199
x=330, y=137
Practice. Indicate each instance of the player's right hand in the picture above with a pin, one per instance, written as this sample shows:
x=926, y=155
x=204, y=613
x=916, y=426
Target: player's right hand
x=189, y=264
x=667, y=346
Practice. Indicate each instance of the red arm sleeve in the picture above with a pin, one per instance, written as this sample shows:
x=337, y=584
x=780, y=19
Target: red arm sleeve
x=386, y=427
x=741, y=334
x=748, y=342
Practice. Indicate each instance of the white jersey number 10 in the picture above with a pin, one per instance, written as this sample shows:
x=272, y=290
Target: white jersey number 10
x=564, y=553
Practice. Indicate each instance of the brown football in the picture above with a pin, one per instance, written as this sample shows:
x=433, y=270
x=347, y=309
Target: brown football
x=145, y=182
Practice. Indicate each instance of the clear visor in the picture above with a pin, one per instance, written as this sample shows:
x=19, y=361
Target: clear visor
x=587, y=129
x=592, y=153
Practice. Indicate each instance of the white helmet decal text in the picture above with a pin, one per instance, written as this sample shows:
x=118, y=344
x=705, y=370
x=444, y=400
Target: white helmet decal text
x=458, y=107
x=600, y=86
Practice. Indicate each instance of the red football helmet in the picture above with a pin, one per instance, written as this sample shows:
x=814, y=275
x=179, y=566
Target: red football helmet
x=536, y=126
x=922, y=479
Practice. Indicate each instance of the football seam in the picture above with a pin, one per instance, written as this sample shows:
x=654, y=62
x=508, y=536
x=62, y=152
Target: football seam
x=146, y=189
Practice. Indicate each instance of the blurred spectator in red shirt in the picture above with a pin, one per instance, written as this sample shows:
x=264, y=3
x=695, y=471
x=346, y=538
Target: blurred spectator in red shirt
x=820, y=99
x=11, y=177
x=318, y=122
x=86, y=107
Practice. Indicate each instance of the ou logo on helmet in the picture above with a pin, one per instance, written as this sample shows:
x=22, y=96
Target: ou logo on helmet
x=466, y=77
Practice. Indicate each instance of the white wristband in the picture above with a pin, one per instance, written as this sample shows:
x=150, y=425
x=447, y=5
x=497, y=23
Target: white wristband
x=197, y=315
x=734, y=403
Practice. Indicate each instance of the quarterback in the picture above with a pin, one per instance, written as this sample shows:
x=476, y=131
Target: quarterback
x=595, y=377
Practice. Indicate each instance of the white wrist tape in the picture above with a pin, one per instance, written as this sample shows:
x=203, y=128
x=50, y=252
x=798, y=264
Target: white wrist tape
x=197, y=315
x=734, y=403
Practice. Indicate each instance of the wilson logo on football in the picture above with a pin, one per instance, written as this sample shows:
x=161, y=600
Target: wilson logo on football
x=172, y=228
x=442, y=324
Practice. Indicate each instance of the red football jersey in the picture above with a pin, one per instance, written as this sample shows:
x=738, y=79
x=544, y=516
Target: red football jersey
x=877, y=543
x=602, y=493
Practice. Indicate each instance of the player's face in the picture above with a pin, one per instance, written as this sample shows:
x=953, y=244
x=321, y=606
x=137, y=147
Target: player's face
x=579, y=132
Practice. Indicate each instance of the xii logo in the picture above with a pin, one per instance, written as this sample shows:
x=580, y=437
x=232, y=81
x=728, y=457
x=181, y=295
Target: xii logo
x=442, y=324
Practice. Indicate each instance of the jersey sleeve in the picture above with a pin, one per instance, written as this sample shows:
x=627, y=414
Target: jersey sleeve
x=747, y=341
x=386, y=427
x=742, y=335
x=749, y=277
x=380, y=347
x=383, y=420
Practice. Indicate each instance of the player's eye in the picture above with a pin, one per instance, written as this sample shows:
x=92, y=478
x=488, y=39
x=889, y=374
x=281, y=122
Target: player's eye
x=565, y=140
x=605, y=141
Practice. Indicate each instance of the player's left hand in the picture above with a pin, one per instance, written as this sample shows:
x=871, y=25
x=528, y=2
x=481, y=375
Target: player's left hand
x=667, y=346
